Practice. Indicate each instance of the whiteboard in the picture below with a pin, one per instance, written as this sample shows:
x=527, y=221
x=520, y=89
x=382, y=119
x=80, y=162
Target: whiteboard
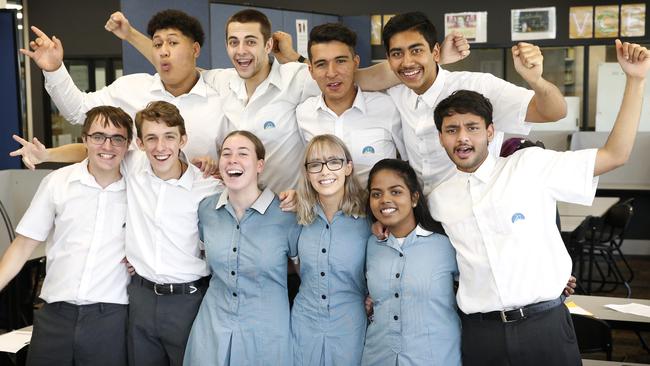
x=611, y=83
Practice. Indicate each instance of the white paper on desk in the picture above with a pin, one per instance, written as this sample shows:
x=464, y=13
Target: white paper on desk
x=13, y=342
x=631, y=308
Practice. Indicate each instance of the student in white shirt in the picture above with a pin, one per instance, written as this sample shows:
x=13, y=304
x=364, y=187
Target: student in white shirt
x=500, y=213
x=162, y=237
x=176, y=45
x=261, y=96
x=367, y=122
x=413, y=53
x=83, y=206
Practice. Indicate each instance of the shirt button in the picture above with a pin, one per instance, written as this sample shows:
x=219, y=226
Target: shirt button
x=396, y=317
x=396, y=275
x=232, y=273
x=324, y=250
x=237, y=227
x=234, y=294
x=401, y=255
x=234, y=249
x=322, y=274
x=323, y=297
x=396, y=294
x=327, y=226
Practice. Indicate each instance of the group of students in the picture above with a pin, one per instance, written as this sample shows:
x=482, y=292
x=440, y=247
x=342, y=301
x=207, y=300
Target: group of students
x=210, y=255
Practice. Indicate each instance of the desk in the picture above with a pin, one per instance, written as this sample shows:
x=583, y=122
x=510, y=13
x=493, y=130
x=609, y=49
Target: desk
x=609, y=363
x=617, y=320
x=598, y=208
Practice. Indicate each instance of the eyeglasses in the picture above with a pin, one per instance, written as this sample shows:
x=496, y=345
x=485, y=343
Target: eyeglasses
x=332, y=165
x=99, y=138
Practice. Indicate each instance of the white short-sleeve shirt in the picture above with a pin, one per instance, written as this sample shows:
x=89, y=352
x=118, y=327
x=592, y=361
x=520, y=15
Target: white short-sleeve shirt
x=371, y=128
x=201, y=107
x=162, y=235
x=423, y=149
x=87, y=225
x=270, y=114
x=501, y=221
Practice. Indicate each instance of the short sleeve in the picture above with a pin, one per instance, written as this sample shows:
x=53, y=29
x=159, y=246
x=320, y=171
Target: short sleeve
x=38, y=220
x=510, y=103
x=294, y=235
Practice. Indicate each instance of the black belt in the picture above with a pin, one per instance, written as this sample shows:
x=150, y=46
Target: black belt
x=171, y=288
x=514, y=315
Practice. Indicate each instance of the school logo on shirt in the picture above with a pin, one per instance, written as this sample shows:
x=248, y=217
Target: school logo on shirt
x=517, y=216
x=269, y=124
x=368, y=150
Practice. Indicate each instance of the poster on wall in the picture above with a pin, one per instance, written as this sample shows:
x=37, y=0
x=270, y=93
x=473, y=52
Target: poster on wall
x=633, y=20
x=581, y=22
x=473, y=25
x=532, y=23
x=375, y=30
x=606, y=21
x=302, y=36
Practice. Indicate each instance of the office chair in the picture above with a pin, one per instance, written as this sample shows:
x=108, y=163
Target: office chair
x=594, y=335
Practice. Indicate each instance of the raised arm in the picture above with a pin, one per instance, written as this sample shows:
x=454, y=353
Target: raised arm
x=635, y=62
x=548, y=104
x=34, y=153
x=15, y=257
x=120, y=26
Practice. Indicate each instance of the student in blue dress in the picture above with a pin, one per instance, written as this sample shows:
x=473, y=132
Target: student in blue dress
x=410, y=276
x=328, y=319
x=244, y=317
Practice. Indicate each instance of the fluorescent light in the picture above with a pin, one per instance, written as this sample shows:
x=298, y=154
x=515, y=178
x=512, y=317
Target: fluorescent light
x=14, y=6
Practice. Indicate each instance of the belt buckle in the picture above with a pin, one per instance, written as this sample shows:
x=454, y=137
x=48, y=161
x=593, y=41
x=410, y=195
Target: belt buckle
x=505, y=319
x=155, y=289
x=193, y=289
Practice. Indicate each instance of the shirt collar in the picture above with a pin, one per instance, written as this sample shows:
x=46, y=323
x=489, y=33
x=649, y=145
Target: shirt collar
x=187, y=178
x=358, y=103
x=200, y=88
x=81, y=174
x=238, y=85
x=484, y=172
x=260, y=205
x=318, y=209
x=430, y=96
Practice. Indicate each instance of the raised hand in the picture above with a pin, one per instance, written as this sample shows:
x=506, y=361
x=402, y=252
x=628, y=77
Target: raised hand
x=529, y=61
x=283, y=47
x=119, y=25
x=633, y=58
x=454, y=48
x=32, y=153
x=46, y=52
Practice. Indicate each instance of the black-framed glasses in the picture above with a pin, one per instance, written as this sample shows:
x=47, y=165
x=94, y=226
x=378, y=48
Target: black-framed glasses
x=99, y=138
x=332, y=165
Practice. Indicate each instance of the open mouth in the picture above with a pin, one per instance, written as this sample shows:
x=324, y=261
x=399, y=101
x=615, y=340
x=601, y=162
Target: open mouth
x=388, y=210
x=105, y=156
x=165, y=66
x=234, y=173
x=162, y=157
x=326, y=182
x=244, y=62
x=464, y=151
x=334, y=85
x=411, y=73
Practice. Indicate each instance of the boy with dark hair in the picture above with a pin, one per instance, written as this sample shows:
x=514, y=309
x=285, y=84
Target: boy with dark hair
x=413, y=54
x=84, y=318
x=367, y=122
x=500, y=215
x=176, y=45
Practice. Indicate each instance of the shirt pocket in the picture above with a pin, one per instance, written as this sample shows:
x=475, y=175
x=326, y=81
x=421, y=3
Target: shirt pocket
x=369, y=146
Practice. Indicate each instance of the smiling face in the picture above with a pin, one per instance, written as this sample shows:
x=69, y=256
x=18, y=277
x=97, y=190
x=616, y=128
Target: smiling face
x=248, y=51
x=174, y=57
x=412, y=60
x=465, y=139
x=391, y=202
x=332, y=66
x=162, y=145
x=238, y=163
x=330, y=181
x=105, y=158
